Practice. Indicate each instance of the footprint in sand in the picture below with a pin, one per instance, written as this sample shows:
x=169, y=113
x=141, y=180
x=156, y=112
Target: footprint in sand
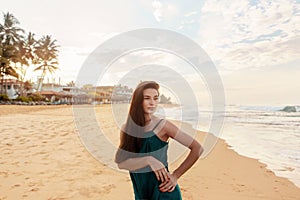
x=3, y=197
x=9, y=144
x=98, y=172
x=15, y=185
x=186, y=193
x=4, y=174
x=7, y=153
x=65, y=134
x=34, y=189
x=61, y=143
x=107, y=188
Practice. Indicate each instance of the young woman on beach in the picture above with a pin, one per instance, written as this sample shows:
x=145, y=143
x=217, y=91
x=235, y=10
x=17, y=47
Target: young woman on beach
x=143, y=147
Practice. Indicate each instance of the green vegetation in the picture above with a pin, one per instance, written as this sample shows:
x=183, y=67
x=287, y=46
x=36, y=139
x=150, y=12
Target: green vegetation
x=4, y=97
x=23, y=99
x=19, y=51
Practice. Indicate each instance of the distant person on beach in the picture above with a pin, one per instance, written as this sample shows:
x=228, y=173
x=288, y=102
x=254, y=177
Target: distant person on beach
x=143, y=147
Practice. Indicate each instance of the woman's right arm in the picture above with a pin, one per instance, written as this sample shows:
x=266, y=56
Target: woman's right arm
x=125, y=161
x=157, y=167
x=132, y=164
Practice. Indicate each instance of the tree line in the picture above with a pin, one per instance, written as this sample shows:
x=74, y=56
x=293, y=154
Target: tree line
x=19, y=50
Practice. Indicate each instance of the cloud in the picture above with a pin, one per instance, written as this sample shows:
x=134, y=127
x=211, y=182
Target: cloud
x=190, y=13
x=164, y=11
x=272, y=86
x=157, y=6
x=238, y=34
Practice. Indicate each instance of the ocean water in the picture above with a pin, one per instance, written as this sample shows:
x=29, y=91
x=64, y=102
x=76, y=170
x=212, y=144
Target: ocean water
x=262, y=132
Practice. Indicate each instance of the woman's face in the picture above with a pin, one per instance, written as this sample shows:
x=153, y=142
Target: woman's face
x=150, y=100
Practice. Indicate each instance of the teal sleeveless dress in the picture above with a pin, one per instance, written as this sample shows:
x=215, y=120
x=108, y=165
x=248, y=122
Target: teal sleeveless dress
x=145, y=183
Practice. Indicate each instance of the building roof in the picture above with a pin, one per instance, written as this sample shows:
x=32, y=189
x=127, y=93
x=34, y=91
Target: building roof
x=10, y=81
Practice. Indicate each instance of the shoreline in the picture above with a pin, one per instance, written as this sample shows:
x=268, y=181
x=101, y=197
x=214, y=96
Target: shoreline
x=235, y=148
x=43, y=158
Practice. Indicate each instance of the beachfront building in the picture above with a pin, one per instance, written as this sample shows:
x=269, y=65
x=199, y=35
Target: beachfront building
x=121, y=94
x=10, y=87
x=51, y=91
x=75, y=95
x=60, y=94
x=109, y=94
x=99, y=94
x=52, y=87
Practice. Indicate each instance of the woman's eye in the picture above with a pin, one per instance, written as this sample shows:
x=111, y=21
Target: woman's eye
x=154, y=98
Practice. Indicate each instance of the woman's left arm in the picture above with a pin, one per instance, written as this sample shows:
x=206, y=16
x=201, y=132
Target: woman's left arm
x=195, y=151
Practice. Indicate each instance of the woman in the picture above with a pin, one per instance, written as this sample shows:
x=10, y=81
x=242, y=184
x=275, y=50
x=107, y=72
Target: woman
x=144, y=144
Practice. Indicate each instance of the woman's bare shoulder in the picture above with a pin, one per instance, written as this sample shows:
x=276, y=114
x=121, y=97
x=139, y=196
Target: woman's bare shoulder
x=169, y=123
x=122, y=129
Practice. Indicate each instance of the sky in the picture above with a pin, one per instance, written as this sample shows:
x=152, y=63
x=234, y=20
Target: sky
x=253, y=44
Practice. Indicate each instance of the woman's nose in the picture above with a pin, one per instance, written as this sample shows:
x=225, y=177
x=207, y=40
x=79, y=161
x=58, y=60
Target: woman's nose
x=152, y=101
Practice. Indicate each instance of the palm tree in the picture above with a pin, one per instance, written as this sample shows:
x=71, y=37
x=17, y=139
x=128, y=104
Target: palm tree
x=30, y=47
x=10, y=31
x=27, y=85
x=26, y=56
x=10, y=35
x=47, y=53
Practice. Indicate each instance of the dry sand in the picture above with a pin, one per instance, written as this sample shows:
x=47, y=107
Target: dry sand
x=42, y=157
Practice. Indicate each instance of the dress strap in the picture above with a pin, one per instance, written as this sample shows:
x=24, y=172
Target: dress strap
x=157, y=124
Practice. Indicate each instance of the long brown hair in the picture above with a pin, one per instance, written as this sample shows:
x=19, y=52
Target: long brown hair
x=132, y=135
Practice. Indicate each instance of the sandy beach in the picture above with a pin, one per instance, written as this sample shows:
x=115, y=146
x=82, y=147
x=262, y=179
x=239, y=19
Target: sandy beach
x=42, y=157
